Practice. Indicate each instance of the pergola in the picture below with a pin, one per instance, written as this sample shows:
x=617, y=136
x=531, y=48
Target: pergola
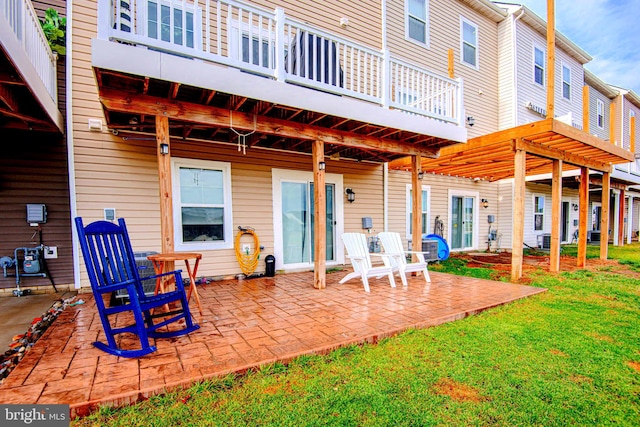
x=546, y=146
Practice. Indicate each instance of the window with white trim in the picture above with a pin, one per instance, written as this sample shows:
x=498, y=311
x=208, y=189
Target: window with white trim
x=424, y=220
x=566, y=82
x=167, y=21
x=538, y=213
x=538, y=65
x=600, y=114
x=202, y=204
x=417, y=27
x=468, y=42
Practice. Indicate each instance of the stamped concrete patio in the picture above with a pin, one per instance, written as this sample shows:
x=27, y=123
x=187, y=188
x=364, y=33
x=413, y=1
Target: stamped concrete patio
x=246, y=324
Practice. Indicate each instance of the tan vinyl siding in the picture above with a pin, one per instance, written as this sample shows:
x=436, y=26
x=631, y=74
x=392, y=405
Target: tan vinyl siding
x=480, y=86
x=504, y=218
x=506, y=76
x=594, y=96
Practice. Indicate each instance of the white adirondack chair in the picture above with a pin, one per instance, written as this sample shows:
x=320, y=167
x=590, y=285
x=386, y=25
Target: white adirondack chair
x=392, y=244
x=358, y=252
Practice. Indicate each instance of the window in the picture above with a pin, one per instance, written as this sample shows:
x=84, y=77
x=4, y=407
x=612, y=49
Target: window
x=631, y=115
x=538, y=213
x=202, y=204
x=566, y=82
x=425, y=210
x=416, y=23
x=600, y=114
x=172, y=24
x=538, y=65
x=469, y=42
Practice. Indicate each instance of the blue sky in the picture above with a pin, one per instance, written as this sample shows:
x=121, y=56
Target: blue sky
x=606, y=30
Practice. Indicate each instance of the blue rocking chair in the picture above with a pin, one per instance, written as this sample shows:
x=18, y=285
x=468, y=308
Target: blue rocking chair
x=110, y=263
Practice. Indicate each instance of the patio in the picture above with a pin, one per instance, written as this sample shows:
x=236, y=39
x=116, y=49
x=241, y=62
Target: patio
x=245, y=324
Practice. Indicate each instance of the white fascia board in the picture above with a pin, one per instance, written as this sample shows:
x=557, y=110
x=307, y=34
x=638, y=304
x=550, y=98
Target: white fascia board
x=173, y=68
x=10, y=44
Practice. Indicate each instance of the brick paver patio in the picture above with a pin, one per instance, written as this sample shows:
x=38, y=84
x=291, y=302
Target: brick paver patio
x=245, y=324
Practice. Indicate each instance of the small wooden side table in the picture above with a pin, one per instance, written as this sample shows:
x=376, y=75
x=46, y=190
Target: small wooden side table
x=159, y=261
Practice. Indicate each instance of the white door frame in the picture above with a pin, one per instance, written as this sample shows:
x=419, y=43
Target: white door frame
x=277, y=177
x=476, y=216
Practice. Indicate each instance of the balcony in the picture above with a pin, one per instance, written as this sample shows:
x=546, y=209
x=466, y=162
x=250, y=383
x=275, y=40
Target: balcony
x=32, y=67
x=271, y=45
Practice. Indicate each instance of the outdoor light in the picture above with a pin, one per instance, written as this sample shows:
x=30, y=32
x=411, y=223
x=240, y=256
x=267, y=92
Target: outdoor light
x=574, y=206
x=485, y=203
x=420, y=174
x=322, y=166
x=471, y=121
x=351, y=195
x=164, y=148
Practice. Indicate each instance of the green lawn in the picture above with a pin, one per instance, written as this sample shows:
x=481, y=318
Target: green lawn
x=570, y=356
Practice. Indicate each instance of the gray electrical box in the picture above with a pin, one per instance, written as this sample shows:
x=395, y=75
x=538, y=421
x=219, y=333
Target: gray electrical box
x=367, y=223
x=36, y=213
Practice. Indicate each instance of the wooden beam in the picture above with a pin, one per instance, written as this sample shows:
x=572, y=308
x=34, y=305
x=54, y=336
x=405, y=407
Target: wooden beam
x=621, y=219
x=556, y=154
x=585, y=108
x=583, y=193
x=518, y=215
x=451, y=68
x=604, y=216
x=213, y=116
x=556, y=207
x=416, y=206
x=632, y=138
x=551, y=58
x=320, y=212
x=612, y=123
x=164, y=179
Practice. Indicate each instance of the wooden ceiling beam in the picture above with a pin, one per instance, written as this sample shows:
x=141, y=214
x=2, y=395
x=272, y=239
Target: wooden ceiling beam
x=26, y=118
x=213, y=116
x=556, y=154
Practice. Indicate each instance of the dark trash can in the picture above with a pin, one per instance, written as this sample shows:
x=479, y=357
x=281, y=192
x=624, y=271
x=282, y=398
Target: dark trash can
x=270, y=262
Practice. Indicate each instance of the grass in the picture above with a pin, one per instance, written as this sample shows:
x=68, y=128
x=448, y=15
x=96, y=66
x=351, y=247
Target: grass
x=570, y=356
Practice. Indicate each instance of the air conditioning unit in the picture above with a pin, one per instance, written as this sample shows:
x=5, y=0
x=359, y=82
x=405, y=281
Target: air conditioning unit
x=544, y=241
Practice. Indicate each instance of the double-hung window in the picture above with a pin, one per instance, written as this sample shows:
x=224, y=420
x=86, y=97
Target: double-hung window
x=417, y=27
x=424, y=211
x=600, y=114
x=169, y=22
x=566, y=82
x=538, y=65
x=202, y=204
x=538, y=213
x=469, y=42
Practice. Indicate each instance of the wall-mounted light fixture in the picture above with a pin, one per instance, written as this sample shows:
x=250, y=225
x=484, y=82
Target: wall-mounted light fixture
x=574, y=206
x=322, y=166
x=420, y=175
x=471, y=121
x=485, y=203
x=164, y=148
x=351, y=195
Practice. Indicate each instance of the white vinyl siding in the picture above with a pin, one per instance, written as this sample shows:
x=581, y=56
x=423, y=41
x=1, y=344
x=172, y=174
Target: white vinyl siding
x=417, y=21
x=468, y=43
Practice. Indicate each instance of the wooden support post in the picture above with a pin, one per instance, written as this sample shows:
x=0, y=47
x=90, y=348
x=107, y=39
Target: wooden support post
x=164, y=178
x=416, y=206
x=632, y=137
x=556, y=207
x=320, y=212
x=604, y=216
x=612, y=123
x=451, y=68
x=518, y=215
x=585, y=108
x=583, y=217
x=551, y=58
x=621, y=219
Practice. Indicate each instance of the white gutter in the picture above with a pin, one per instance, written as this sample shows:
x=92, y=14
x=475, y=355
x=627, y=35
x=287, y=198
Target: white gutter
x=70, y=151
x=515, y=67
x=385, y=168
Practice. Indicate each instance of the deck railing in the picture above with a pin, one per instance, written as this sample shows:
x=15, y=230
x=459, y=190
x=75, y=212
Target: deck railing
x=24, y=23
x=275, y=46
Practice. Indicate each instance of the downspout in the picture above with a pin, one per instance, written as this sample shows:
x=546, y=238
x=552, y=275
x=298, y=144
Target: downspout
x=515, y=67
x=385, y=168
x=70, y=151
